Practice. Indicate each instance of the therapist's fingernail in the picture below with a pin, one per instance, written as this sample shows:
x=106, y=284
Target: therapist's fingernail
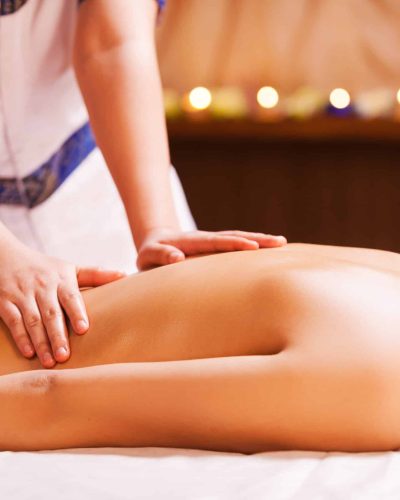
x=48, y=358
x=61, y=352
x=82, y=325
x=28, y=351
x=174, y=256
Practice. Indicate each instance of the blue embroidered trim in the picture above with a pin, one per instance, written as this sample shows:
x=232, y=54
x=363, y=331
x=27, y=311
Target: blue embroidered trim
x=46, y=179
x=10, y=6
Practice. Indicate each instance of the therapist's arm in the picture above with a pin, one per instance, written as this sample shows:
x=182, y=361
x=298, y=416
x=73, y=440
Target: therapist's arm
x=116, y=66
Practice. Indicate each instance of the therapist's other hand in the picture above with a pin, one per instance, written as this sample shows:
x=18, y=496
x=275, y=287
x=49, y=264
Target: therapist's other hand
x=164, y=246
x=35, y=292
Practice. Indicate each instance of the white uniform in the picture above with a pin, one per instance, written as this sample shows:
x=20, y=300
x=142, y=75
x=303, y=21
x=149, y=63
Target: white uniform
x=56, y=193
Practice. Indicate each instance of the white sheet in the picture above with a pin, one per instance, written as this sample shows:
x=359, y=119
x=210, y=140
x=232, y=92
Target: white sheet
x=161, y=473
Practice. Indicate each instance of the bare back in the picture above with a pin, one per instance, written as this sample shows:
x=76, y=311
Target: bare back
x=321, y=299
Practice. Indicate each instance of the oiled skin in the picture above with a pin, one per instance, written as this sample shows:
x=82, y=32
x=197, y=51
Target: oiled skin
x=327, y=319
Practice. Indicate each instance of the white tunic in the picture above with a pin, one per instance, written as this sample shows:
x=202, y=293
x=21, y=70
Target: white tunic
x=45, y=140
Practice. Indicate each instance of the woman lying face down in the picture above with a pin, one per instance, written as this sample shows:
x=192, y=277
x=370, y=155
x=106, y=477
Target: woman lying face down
x=288, y=348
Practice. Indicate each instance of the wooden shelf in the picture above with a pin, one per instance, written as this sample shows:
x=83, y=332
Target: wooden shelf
x=316, y=129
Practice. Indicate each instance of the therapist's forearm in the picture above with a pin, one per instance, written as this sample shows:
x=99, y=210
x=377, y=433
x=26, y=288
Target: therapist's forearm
x=122, y=90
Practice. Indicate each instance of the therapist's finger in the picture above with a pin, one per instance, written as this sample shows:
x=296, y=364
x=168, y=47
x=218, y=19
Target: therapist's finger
x=37, y=332
x=96, y=276
x=71, y=300
x=12, y=318
x=205, y=242
x=158, y=254
x=264, y=240
x=54, y=323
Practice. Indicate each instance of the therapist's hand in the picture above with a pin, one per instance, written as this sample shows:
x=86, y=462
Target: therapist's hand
x=35, y=292
x=163, y=246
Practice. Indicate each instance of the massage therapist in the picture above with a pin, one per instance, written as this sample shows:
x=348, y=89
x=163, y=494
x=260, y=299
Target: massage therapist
x=62, y=63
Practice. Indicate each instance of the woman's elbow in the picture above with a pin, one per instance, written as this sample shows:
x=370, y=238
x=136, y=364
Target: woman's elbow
x=28, y=410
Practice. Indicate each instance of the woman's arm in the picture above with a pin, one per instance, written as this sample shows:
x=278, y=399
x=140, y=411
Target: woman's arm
x=219, y=404
x=216, y=404
x=116, y=65
x=241, y=404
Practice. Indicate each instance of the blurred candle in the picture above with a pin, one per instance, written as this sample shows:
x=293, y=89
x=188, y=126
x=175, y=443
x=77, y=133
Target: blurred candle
x=267, y=97
x=375, y=103
x=200, y=98
x=268, y=104
x=339, y=98
x=304, y=103
x=397, y=108
x=197, y=102
x=228, y=103
x=339, y=102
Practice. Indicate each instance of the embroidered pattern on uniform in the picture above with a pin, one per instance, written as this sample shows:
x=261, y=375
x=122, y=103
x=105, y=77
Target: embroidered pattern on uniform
x=45, y=180
x=10, y=6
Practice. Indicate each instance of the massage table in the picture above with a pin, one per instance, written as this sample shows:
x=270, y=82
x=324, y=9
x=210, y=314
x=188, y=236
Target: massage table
x=162, y=473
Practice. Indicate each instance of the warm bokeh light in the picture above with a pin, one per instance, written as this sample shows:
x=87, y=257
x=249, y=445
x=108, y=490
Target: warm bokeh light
x=339, y=98
x=267, y=97
x=200, y=98
x=171, y=103
x=229, y=102
x=398, y=96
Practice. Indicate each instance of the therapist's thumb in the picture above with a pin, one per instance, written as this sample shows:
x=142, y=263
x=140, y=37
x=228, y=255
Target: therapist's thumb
x=96, y=276
x=158, y=254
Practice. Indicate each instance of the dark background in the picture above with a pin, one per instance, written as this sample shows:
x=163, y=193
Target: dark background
x=328, y=181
